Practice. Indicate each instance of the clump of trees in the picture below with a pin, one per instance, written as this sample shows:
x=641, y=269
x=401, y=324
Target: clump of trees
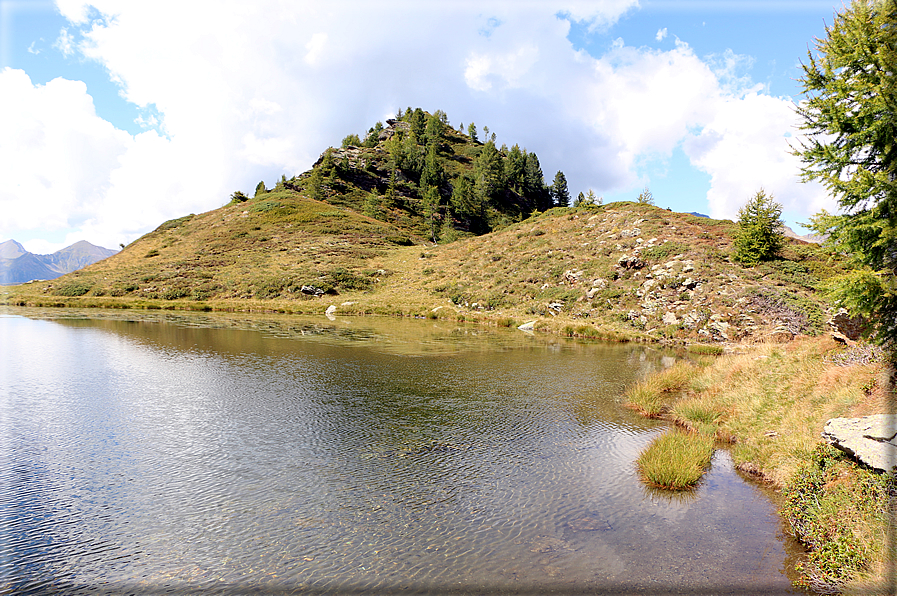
x=759, y=235
x=849, y=116
x=475, y=190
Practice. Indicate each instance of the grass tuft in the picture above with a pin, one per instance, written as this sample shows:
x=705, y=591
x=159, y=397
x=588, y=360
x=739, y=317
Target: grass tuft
x=676, y=460
x=649, y=397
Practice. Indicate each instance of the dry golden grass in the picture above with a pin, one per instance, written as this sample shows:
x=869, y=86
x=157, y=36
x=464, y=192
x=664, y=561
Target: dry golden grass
x=772, y=403
x=676, y=460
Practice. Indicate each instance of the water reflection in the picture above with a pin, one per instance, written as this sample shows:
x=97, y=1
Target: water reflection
x=151, y=451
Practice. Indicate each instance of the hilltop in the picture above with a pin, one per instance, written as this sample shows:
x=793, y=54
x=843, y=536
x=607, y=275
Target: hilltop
x=357, y=231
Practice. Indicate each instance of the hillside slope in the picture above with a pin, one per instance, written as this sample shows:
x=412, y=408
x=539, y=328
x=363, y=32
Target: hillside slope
x=622, y=270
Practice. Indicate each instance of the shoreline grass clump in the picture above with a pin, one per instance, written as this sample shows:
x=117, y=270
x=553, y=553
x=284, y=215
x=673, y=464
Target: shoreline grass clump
x=676, y=460
x=650, y=396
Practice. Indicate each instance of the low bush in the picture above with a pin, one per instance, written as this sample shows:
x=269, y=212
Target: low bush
x=76, y=288
x=840, y=511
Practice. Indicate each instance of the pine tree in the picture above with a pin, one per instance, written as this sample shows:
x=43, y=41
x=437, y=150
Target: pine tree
x=472, y=132
x=559, y=191
x=534, y=182
x=488, y=173
x=515, y=168
x=260, y=188
x=434, y=130
x=432, y=172
x=759, y=234
x=645, y=197
x=418, y=121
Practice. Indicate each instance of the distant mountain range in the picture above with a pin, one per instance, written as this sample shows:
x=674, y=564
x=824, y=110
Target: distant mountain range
x=17, y=265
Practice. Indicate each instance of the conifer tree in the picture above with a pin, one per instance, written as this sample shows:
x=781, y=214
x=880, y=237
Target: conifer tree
x=645, y=197
x=418, y=121
x=759, y=234
x=488, y=173
x=850, y=119
x=559, y=191
x=432, y=172
x=260, y=188
x=472, y=132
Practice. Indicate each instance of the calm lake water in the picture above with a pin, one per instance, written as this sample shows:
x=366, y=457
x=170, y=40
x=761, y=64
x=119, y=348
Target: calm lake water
x=157, y=452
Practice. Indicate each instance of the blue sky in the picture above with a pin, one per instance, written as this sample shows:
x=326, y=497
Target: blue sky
x=118, y=116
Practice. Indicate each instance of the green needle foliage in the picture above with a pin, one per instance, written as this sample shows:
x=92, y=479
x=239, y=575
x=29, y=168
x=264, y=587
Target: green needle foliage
x=559, y=191
x=850, y=115
x=759, y=235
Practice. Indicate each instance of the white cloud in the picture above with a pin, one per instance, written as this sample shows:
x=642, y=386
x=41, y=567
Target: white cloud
x=744, y=148
x=661, y=34
x=242, y=96
x=65, y=43
x=315, y=47
x=55, y=153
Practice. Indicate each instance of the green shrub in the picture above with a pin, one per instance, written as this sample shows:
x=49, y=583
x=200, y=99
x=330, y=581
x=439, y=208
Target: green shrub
x=75, y=288
x=840, y=511
x=175, y=293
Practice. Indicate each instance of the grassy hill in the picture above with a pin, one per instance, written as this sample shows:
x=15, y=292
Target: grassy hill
x=624, y=270
x=421, y=219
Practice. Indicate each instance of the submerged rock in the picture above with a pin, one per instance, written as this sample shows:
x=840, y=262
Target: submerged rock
x=870, y=439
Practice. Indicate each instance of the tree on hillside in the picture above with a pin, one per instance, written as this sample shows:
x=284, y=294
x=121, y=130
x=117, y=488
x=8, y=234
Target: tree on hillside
x=849, y=116
x=592, y=198
x=260, y=188
x=515, y=167
x=434, y=130
x=645, y=197
x=488, y=173
x=418, y=121
x=351, y=140
x=559, y=191
x=472, y=132
x=373, y=135
x=534, y=182
x=432, y=172
x=580, y=200
x=759, y=234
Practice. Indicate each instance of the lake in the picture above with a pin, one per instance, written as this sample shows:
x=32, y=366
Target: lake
x=157, y=452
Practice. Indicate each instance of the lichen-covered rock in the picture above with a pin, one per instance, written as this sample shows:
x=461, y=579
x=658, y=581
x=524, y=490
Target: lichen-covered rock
x=870, y=439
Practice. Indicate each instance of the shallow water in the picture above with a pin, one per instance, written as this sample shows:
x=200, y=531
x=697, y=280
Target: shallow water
x=147, y=452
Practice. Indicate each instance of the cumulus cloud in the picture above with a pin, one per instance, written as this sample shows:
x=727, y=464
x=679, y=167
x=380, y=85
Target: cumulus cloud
x=746, y=146
x=661, y=34
x=232, y=95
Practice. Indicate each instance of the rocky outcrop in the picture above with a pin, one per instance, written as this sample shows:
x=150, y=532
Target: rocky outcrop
x=870, y=439
x=850, y=327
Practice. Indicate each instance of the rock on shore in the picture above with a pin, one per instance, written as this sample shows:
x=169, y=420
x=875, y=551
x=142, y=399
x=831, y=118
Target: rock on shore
x=870, y=439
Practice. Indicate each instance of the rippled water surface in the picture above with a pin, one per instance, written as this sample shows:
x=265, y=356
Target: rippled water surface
x=150, y=453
